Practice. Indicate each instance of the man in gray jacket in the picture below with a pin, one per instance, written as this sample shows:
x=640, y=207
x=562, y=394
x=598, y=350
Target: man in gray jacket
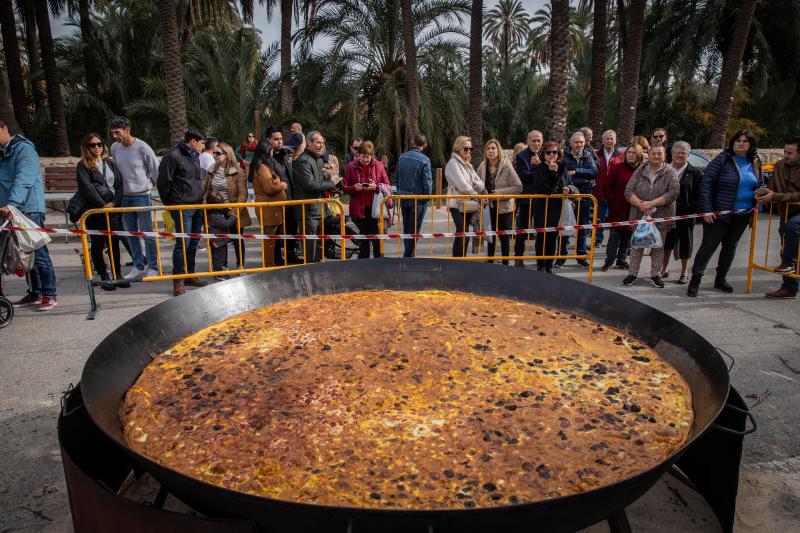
x=310, y=183
x=138, y=165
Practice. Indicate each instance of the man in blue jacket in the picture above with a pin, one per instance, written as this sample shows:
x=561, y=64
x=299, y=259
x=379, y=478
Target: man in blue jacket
x=414, y=177
x=583, y=171
x=21, y=186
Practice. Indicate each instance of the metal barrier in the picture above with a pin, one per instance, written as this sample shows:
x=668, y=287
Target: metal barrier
x=764, y=265
x=302, y=211
x=522, y=217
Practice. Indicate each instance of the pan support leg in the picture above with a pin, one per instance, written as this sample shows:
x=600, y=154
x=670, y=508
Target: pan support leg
x=618, y=522
x=161, y=497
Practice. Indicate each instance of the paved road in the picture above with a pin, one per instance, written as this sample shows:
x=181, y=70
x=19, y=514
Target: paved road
x=41, y=354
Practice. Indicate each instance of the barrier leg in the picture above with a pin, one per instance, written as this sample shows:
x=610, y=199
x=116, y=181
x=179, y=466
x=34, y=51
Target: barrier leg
x=749, y=288
x=94, y=307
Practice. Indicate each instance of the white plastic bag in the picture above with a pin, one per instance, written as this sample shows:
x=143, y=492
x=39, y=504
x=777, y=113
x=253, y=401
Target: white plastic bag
x=28, y=241
x=486, y=217
x=646, y=235
x=377, y=200
x=567, y=218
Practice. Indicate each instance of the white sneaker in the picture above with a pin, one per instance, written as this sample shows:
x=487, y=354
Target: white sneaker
x=152, y=273
x=134, y=274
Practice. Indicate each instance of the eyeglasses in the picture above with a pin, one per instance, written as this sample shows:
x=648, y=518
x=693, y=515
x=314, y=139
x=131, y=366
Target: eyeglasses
x=551, y=152
x=96, y=145
x=467, y=148
x=218, y=153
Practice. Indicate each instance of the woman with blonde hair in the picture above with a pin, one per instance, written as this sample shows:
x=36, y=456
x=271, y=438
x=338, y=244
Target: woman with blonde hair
x=642, y=142
x=462, y=180
x=499, y=178
x=227, y=178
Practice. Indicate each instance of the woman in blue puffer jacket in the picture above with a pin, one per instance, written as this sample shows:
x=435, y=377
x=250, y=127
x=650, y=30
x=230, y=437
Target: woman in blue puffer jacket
x=729, y=182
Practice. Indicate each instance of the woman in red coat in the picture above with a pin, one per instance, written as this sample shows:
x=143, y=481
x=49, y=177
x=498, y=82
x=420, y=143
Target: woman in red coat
x=619, y=208
x=362, y=178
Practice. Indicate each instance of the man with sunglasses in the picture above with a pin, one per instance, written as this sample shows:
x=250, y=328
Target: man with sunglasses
x=355, y=144
x=659, y=138
x=138, y=166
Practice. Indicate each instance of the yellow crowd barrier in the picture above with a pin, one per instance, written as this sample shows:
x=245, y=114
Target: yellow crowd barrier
x=761, y=262
x=302, y=211
x=456, y=218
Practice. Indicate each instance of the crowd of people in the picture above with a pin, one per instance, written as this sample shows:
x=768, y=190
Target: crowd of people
x=646, y=178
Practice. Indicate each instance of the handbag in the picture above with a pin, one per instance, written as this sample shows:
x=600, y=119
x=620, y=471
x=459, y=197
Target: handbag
x=76, y=207
x=15, y=261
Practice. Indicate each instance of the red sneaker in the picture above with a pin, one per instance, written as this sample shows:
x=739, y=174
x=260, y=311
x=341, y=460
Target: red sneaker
x=28, y=299
x=48, y=302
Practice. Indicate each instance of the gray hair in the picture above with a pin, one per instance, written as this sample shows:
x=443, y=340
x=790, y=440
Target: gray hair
x=682, y=145
x=313, y=135
x=576, y=134
x=609, y=131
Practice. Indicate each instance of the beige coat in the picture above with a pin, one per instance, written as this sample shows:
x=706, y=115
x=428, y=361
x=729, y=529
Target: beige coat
x=505, y=182
x=462, y=180
x=237, y=189
x=666, y=184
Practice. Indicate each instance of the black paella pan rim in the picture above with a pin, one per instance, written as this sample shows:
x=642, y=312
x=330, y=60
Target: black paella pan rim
x=119, y=359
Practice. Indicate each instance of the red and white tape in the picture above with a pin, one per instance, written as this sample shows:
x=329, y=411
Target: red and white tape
x=390, y=236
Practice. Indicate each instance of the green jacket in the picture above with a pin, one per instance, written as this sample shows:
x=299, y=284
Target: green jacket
x=308, y=181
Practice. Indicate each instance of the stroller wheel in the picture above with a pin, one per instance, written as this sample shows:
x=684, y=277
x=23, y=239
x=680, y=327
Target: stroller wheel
x=6, y=312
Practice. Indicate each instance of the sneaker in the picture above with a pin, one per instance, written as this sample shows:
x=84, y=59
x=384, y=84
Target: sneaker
x=622, y=266
x=784, y=269
x=583, y=263
x=519, y=263
x=628, y=281
x=657, y=282
x=781, y=294
x=48, y=302
x=559, y=263
x=665, y=274
x=683, y=280
x=606, y=267
x=152, y=272
x=134, y=274
x=28, y=299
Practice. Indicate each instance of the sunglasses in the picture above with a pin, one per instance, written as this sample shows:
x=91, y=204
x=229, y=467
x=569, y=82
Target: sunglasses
x=658, y=136
x=218, y=153
x=96, y=145
x=467, y=148
x=551, y=152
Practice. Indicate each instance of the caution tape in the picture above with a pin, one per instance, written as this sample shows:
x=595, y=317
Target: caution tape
x=391, y=236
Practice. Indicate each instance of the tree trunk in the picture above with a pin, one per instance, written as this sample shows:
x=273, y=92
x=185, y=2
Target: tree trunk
x=632, y=59
x=286, y=58
x=411, y=65
x=14, y=65
x=475, y=102
x=731, y=61
x=55, y=100
x=89, y=64
x=622, y=24
x=7, y=109
x=597, y=95
x=173, y=70
x=32, y=46
x=559, y=69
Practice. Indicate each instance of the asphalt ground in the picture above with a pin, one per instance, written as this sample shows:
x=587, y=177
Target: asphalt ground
x=41, y=354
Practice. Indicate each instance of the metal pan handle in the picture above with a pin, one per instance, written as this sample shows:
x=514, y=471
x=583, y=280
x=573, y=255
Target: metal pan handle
x=745, y=412
x=64, y=412
x=726, y=354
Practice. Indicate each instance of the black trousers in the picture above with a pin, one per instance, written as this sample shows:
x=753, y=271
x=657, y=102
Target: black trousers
x=100, y=242
x=460, y=220
x=503, y=222
x=290, y=228
x=725, y=233
x=546, y=242
x=524, y=221
x=368, y=226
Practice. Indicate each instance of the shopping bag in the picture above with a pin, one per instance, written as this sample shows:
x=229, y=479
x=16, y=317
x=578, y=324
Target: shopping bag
x=377, y=200
x=14, y=260
x=28, y=241
x=486, y=217
x=169, y=224
x=646, y=235
x=567, y=218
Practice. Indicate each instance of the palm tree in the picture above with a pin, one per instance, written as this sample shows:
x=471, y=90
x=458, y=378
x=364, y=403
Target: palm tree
x=6, y=108
x=731, y=62
x=32, y=48
x=475, y=104
x=559, y=69
x=173, y=75
x=506, y=27
x=55, y=100
x=538, y=41
x=14, y=66
x=597, y=94
x=410, y=48
x=632, y=58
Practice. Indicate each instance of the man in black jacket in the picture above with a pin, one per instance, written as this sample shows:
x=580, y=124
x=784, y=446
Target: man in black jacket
x=309, y=184
x=180, y=182
x=280, y=163
x=527, y=160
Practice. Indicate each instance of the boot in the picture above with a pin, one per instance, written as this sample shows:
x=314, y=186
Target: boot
x=104, y=282
x=694, y=285
x=723, y=285
x=195, y=282
x=177, y=287
x=519, y=263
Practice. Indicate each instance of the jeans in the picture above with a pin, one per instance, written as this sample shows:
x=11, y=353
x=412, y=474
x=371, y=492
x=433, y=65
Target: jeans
x=584, y=216
x=42, y=277
x=192, y=223
x=142, y=221
x=790, y=231
x=412, y=222
x=602, y=212
x=726, y=233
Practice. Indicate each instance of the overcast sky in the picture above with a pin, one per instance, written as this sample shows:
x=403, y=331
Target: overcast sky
x=270, y=30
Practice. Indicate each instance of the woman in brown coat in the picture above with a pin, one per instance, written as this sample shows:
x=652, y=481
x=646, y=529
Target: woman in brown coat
x=498, y=174
x=267, y=187
x=226, y=177
x=652, y=191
